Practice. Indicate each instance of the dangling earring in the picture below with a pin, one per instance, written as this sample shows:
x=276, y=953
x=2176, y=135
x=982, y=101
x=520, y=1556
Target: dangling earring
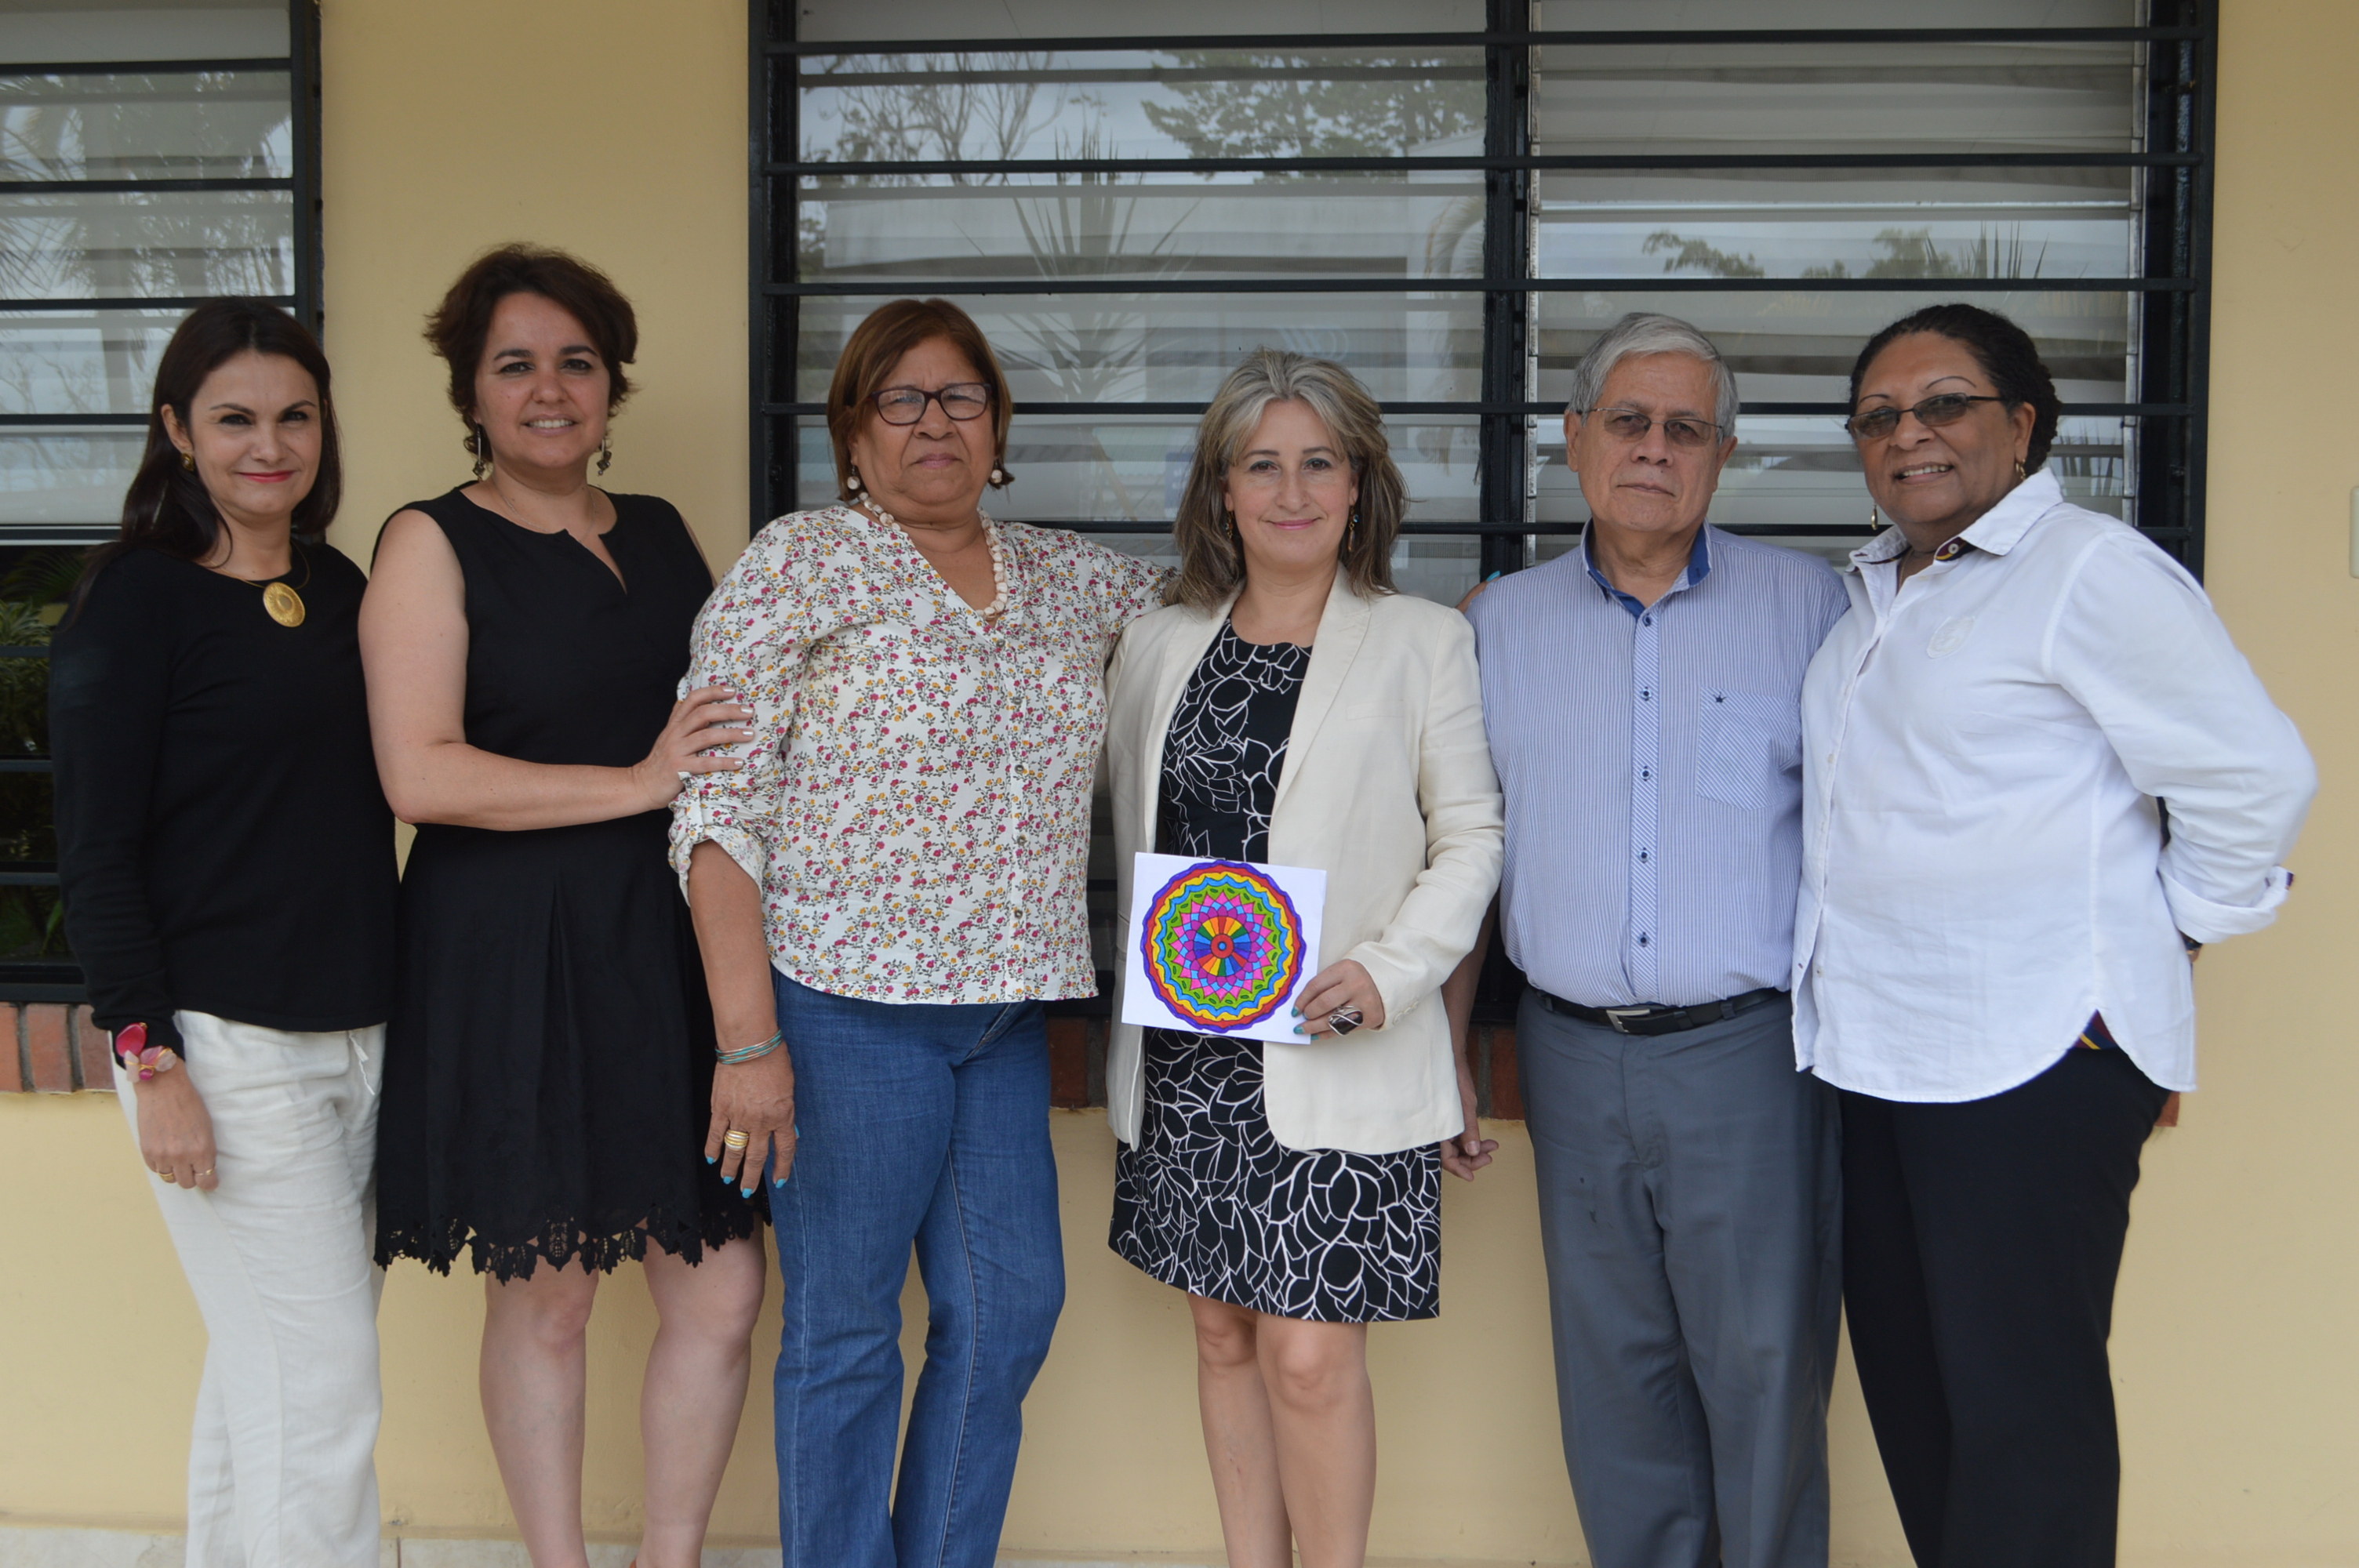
x=605, y=453
x=998, y=474
x=479, y=444
x=189, y=458
x=1875, y=519
x=852, y=481
x=2018, y=471
x=1352, y=530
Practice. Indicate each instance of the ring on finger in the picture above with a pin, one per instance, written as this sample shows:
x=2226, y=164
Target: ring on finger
x=1344, y=1020
x=735, y=1139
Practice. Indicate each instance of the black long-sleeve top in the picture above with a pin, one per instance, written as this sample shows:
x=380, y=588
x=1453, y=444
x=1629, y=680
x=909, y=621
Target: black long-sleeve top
x=222, y=842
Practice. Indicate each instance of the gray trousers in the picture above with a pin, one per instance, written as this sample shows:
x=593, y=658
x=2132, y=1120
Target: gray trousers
x=1690, y=1209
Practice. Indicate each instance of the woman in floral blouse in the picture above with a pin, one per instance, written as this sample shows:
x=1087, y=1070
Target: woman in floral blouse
x=893, y=884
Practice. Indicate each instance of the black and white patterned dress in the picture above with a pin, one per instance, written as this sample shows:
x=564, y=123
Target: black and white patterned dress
x=1208, y=1200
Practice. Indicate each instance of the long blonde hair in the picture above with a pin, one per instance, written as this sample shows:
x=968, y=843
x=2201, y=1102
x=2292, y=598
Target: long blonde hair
x=1212, y=561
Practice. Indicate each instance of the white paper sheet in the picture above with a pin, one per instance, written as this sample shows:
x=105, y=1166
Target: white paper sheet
x=1220, y=947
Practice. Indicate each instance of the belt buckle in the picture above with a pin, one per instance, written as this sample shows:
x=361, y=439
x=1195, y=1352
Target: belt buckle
x=1618, y=1016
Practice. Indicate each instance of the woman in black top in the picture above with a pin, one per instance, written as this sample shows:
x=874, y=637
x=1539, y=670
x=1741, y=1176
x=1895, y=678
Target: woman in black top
x=227, y=861
x=552, y=1070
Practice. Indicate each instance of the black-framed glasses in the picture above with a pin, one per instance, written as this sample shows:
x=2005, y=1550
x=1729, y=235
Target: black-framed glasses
x=907, y=405
x=1941, y=408
x=1680, y=429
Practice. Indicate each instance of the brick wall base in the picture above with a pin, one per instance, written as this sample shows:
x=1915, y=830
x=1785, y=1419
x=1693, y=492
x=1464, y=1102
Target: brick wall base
x=53, y=1048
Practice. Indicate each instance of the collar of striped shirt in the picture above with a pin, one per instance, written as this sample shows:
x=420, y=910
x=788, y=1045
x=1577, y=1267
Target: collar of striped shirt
x=1698, y=567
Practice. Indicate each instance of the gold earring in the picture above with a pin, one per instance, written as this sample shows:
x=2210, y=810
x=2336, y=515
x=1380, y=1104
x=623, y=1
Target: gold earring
x=189, y=458
x=605, y=453
x=2018, y=471
x=1875, y=519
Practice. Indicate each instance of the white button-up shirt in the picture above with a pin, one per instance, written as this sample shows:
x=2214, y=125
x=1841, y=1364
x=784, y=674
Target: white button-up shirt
x=1984, y=862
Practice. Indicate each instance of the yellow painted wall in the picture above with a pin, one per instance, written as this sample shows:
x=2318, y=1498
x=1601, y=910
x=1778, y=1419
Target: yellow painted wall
x=617, y=127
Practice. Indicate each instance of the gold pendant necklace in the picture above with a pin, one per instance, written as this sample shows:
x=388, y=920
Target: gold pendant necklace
x=282, y=603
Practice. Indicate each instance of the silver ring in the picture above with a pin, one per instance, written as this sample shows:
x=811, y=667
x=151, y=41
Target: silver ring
x=1344, y=1020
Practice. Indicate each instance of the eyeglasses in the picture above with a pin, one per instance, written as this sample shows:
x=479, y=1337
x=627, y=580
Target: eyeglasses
x=907, y=405
x=1680, y=429
x=1941, y=408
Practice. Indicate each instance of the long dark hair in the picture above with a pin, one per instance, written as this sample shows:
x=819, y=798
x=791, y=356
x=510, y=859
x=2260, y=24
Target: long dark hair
x=166, y=507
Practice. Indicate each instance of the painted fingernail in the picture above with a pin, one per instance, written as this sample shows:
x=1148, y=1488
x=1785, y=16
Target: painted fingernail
x=712, y=1159
x=745, y=1192
x=1493, y=576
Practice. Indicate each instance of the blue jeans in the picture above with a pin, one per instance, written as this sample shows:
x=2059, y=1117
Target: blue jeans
x=924, y=1124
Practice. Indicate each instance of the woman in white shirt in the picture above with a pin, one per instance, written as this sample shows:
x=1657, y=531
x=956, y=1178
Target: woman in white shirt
x=1292, y=709
x=2038, y=776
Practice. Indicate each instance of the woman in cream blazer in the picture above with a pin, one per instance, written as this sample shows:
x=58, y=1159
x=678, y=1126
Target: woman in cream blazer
x=1291, y=709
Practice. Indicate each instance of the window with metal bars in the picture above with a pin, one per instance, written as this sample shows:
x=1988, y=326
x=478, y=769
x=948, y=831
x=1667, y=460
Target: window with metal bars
x=1455, y=199
x=151, y=158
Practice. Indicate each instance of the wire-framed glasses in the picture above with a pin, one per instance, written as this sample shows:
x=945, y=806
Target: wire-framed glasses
x=1941, y=408
x=907, y=405
x=1680, y=429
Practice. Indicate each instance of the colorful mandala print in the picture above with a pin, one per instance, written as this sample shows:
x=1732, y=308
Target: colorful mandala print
x=1223, y=946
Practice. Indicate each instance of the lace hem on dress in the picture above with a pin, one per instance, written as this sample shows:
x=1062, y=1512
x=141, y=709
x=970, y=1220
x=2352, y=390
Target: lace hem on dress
x=684, y=1237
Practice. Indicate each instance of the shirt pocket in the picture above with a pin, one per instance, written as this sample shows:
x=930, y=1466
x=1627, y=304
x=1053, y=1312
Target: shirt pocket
x=1748, y=746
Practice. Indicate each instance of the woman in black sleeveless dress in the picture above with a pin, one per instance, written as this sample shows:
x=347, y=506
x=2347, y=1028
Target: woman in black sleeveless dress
x=549, y=1062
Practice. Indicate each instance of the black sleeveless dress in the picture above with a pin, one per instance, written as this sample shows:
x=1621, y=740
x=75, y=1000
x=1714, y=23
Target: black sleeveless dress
x=548, y=1063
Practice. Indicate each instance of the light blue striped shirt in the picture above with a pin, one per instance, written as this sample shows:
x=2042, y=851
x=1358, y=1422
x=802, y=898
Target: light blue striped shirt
x=1652, y=762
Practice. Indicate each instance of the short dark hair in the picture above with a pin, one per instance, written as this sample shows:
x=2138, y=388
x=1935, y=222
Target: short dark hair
x=167, y=507
x=461, y=324
x=2009, y=360
x=878, y=344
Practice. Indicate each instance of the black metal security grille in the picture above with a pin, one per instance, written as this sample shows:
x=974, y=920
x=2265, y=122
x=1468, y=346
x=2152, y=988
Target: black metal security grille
x=1457, y=214
x=131, y=189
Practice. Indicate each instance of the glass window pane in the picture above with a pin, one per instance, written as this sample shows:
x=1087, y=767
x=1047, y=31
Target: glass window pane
x=1931, y=223
x=122, y=246
x=164, y=125
x=53, y=476
x=1797, y=346
x=104, y=31
x=1802, y=472
x=81, y=362
x=1131, y=468
x=1166, y=104
x=1143, y=227
x=1900, y=97
x=1018, y=19
x=1120, y=348
x=1620, y=15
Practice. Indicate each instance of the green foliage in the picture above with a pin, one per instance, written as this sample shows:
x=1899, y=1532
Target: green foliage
x=1698, y=255
x=31, y=919
x=1912, y=253
x=1291, y=106
x=1908, y=253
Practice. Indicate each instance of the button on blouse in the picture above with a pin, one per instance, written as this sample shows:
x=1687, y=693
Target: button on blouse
x=1984, y=864
x=916, y=805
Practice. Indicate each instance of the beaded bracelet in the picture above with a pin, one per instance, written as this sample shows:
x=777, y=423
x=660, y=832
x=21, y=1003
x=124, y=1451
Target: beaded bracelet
x=747, y=1054
x=138, y=1057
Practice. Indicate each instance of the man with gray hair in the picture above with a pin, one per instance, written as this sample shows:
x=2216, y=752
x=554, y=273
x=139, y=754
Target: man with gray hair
x=1643, y=695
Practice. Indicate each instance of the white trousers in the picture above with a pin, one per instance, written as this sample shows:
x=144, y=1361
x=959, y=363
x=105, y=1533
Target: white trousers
x=282, y=1468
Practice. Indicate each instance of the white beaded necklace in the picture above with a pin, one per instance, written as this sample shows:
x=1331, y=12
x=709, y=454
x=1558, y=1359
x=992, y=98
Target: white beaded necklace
x=998, y=605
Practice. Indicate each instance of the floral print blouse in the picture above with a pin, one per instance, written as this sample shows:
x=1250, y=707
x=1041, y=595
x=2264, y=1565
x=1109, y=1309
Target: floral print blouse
x=916, y=805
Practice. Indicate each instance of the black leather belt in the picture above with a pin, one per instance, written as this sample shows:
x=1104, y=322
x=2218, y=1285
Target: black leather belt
x=1658, y=1020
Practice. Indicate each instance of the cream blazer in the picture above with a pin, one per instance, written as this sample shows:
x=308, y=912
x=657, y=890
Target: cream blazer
x=1387, y=787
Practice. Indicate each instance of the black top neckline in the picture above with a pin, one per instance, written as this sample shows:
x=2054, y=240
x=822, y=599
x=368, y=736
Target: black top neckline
x=614, y=572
